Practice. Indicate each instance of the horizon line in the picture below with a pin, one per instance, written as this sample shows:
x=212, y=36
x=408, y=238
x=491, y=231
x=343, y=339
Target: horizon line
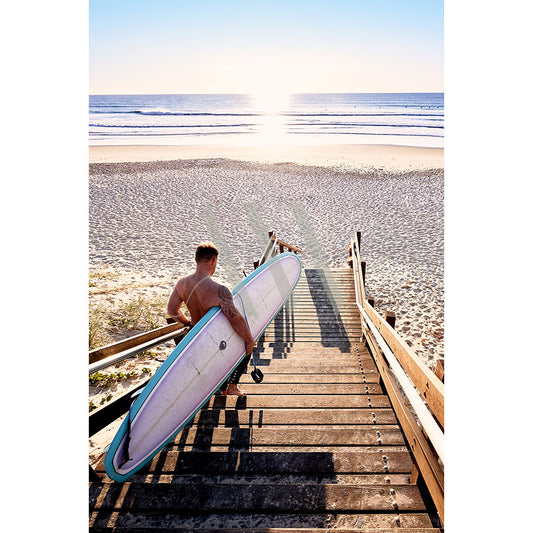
x=258, y=92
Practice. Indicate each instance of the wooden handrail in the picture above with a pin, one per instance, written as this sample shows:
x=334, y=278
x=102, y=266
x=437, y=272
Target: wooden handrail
x=381, y=336
x=427, y=383
x=294, y=249
x=119, y=351
x=270, y=251
x=425, y=459
x=117, y=347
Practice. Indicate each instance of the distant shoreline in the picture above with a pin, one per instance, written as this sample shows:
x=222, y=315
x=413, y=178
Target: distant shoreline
x=349, y=156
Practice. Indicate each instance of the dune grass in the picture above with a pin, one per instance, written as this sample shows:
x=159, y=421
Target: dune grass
x=108, y=324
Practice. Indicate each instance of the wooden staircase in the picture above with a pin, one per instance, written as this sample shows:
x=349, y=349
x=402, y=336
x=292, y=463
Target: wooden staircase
x=315, y=446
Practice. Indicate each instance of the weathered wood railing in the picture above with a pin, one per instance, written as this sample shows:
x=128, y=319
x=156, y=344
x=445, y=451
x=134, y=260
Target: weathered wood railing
x=270, y=249
x=416, y=393
x=118, y=351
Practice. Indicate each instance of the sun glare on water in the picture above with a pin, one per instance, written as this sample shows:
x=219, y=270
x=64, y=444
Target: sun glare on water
x=272, y=123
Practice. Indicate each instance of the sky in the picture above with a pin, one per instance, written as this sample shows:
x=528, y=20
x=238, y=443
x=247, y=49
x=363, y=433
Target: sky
x=273, y=46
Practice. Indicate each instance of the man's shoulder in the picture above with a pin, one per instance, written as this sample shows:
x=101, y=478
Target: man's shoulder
x=182, y=282
x=219, y=287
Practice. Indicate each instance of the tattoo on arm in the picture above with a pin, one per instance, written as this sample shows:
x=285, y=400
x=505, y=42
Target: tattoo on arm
x=226, y=302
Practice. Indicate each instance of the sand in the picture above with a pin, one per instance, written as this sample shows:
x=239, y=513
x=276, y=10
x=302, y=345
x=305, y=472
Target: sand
x=345, y=156
x=147, y=216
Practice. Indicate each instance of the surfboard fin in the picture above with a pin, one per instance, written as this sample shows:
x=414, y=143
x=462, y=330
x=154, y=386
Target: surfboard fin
x=126, y=444
x=134, y=396
x=257, y=375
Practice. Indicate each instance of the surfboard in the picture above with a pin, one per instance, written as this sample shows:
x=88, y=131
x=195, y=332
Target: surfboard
x=197, y=367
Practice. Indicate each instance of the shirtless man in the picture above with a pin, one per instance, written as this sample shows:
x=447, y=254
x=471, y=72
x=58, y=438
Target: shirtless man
x=200, y=293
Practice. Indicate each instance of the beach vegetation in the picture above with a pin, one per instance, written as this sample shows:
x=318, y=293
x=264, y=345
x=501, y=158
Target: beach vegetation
x=103, y=400
x=146, y=355
x=104, y=380
x=111, y=323
x=102, y=275
x=139, y=313
x=101, y=379
x=98, y=334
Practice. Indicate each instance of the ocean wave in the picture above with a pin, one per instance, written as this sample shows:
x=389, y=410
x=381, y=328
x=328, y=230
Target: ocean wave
x=316, y=114
x=363, y=125
x=215, y=133
x=161, y=134
x=365, y=133
x=172, y=126
x=316, y=125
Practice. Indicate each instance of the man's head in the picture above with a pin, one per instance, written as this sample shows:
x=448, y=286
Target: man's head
x=206, y=252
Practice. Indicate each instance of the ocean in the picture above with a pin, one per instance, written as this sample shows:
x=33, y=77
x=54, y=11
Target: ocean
x=410, y=119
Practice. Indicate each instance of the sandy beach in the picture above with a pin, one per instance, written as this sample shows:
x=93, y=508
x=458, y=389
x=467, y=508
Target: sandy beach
x=150, y=206
x=348, y=156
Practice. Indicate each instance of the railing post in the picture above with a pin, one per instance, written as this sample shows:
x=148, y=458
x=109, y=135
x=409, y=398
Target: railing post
x=172, y=321
x=390, y=317
x=350, y=261
x=370, y=301
x=363, y=270
x=439, y=371
x=415, y=472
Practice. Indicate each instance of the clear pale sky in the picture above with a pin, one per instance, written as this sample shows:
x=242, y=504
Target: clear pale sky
x=230, y=46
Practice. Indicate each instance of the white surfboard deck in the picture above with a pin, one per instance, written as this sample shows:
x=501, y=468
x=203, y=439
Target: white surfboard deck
x=197, y=367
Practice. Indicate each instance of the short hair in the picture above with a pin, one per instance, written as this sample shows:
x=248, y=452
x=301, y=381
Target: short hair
x=205, y=252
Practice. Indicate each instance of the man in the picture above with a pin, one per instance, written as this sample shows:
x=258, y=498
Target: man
x=200, y=293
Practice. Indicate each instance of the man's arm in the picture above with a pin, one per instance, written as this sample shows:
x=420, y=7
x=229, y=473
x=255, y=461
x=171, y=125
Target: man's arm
x=237, y=321
x=173, y=308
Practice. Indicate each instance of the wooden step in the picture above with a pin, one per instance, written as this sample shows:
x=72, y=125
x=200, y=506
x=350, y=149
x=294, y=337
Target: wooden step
x=261, y=530
x=298, y=353
x=313, y=354
x=232, y=522
x=244, y=439
x=293, y=417
x=295, y=378
x=311, y=346
x=269, y=463
x=289, y=366
x=172, y=497
x=314, y=388
x=323, y=401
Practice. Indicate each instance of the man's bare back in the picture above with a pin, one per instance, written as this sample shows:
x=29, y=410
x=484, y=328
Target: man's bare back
x=201, y=293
